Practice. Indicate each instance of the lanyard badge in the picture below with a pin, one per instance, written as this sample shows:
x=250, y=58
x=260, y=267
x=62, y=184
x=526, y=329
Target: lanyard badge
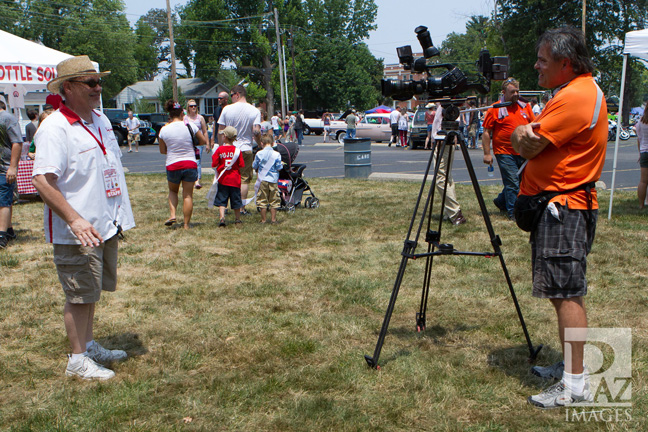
x=111, y=182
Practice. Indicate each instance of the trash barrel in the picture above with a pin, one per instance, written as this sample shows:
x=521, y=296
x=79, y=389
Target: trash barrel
x=357, y=157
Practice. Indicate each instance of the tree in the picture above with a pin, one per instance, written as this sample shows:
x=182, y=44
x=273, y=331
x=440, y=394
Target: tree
x=97, y=28
x=522, y=22
x=146, y=50
x=243, y=32
x=166, y=92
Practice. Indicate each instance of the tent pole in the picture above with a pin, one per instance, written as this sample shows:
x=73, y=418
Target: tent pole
x=618, y=130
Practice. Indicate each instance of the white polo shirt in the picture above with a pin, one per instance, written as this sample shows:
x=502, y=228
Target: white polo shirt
x=65, y=148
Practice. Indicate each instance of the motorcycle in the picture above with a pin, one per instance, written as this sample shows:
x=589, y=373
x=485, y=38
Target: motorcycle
x=624, y=133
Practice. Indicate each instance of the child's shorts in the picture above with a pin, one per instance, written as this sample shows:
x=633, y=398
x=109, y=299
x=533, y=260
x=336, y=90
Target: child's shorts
x=231, y=192
x=268, y=195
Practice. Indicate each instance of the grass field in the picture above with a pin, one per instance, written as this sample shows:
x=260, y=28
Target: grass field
x=264, y=328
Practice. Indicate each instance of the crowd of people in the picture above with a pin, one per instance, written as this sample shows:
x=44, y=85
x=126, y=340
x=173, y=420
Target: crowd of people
x=79, y=175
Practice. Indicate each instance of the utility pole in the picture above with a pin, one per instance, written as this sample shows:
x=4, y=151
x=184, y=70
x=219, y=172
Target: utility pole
x=279, y=57
x=292, y=53
x=584, y=9
x=174, y=79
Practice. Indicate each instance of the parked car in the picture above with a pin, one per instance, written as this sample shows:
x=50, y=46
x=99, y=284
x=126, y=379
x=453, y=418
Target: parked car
x=118, y=117
x=376, y=127
x=157, y=120
x=418, y=131
x=313, y=125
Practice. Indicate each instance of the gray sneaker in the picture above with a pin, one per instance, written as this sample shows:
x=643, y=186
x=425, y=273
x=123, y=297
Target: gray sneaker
x=105, y=356
x=553, y=372
x=558, y=395
x=87, y=369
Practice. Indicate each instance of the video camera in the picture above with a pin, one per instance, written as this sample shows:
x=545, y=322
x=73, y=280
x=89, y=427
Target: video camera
x=450, y=83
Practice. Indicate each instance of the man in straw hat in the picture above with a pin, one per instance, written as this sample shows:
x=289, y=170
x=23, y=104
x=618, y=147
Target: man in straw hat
x=79, y=175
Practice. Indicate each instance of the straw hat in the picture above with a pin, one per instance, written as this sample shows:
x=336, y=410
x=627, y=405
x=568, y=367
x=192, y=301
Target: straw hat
x=74, y=67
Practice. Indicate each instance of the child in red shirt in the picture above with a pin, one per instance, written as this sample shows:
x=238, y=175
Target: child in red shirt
x=228, y=161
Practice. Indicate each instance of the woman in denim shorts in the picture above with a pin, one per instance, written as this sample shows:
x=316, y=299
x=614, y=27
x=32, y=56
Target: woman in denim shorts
x=176, y=142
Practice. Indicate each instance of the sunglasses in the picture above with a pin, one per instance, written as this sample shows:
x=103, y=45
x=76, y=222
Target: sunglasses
x=192, y=106
x=234, y=94
x=92, y=83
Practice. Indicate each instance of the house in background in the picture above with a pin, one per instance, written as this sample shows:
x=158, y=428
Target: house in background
x=205, y=94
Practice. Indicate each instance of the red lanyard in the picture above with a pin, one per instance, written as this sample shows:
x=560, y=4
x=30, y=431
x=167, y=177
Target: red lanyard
x=103, y=149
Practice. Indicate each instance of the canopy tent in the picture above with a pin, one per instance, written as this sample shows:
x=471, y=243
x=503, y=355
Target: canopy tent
x=379, y=109
x=27, y=64
x=637, y=111
x=636, y=44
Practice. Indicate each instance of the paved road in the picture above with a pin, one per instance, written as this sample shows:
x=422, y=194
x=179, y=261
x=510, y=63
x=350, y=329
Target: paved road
x=327, y=160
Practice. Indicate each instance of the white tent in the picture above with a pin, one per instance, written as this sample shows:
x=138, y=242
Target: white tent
x=27, y=63
x=636, y=44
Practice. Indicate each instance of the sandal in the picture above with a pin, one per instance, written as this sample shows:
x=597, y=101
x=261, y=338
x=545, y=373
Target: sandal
x=238, y=221
x=170, y=222
x=221, y=223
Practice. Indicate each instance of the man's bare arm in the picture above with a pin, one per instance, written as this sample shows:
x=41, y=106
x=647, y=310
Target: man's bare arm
x=526, y=142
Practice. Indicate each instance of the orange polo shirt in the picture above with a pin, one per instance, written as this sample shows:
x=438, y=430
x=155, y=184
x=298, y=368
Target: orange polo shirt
x=575, y=123
x=503, y=128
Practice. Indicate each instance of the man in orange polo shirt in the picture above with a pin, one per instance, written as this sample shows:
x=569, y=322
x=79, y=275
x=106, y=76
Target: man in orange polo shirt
x=565, y=148
x=499, y=124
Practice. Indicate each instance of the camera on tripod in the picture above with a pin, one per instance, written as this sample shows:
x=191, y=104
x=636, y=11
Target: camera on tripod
x=451, y=82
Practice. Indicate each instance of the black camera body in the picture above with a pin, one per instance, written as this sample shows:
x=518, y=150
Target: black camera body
x=451, y=82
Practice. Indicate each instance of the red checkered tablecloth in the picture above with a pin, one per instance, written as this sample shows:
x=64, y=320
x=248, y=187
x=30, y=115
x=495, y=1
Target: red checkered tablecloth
x=25, y=168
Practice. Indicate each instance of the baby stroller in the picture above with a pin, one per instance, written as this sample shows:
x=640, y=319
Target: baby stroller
x=292, y=184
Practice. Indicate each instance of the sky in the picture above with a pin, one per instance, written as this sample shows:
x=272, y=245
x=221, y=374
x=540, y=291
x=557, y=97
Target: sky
x=396, y=20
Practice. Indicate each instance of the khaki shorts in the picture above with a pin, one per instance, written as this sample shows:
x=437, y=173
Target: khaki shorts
x=133, y=137
x=246, y=171
x=268, y=196
x=86, y=271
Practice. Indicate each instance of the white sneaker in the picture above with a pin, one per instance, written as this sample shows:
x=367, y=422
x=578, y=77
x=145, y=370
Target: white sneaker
x=558, y=395
x=105, y=356
x=87, y=369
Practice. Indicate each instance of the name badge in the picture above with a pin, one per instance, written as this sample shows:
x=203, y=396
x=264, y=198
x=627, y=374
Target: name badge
x=111, y=182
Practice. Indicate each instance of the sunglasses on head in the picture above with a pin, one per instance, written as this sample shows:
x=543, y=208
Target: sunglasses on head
x=92, y=82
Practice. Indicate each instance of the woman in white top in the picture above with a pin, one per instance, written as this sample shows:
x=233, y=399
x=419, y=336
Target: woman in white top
x=195, y=118
x=642, y=144
x=176, y=142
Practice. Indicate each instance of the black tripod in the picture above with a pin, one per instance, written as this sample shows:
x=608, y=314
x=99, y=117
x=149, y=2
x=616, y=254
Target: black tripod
x=433, y=239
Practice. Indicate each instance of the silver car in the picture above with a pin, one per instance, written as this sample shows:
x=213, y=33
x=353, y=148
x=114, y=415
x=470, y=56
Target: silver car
x=376, y=127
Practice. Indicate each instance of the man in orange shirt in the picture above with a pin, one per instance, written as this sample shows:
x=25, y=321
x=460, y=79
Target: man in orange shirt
x=565, y=148
x=499, y=124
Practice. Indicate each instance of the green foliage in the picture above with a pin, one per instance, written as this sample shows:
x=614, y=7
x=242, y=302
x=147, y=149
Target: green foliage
x=521, y=22
x=97, y=28
x=340, y=75
x=143, y=106
x=166, y=92
x=146, y=53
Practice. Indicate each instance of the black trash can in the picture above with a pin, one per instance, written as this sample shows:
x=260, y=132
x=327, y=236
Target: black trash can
x=357, y=157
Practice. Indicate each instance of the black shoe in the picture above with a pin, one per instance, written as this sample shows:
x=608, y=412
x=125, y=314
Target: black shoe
x=221, y=223
x=3, y=239
x=501, y=208
x=11, y=234
x=245, y=213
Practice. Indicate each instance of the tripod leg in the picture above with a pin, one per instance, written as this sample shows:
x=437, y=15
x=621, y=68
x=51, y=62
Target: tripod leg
x=408, y=249
x=496, y=242
x=373, y=361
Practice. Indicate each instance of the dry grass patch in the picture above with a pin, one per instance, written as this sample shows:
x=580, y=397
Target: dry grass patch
x=265, y=327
